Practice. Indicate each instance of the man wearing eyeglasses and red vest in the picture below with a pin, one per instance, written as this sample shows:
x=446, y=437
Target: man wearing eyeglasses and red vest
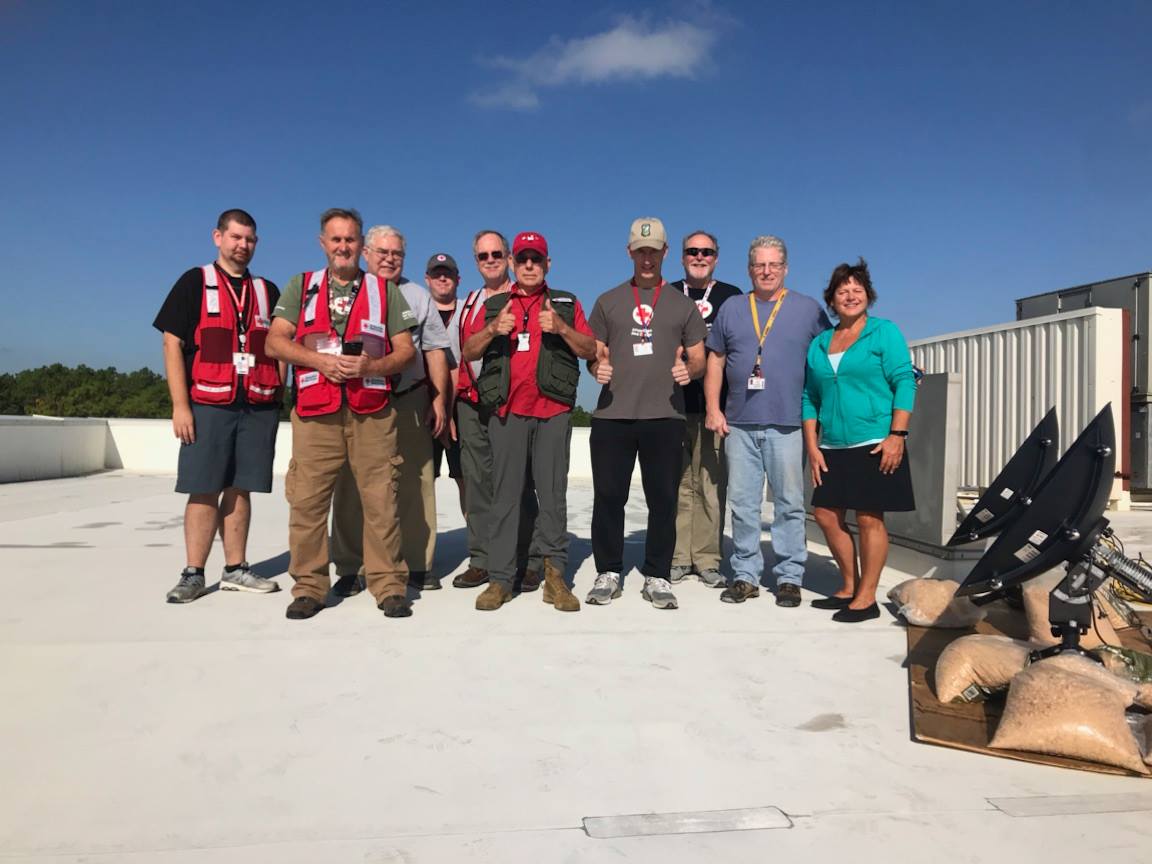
x=345, y=332
x=491, y=251
x=225, y=403
x=530, y=339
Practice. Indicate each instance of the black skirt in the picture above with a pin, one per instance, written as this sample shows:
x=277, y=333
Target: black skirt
x=853, y=482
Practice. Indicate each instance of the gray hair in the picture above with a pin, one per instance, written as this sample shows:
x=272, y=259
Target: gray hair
x=384, y=231
x=485, y=233
x=708, y=234
x=767, y=241
x=341, y=213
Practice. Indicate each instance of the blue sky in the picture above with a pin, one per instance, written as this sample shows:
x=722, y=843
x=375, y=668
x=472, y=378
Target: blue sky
x=973, y=153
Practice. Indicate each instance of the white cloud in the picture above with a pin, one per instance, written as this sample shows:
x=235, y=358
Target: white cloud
x=632, y=50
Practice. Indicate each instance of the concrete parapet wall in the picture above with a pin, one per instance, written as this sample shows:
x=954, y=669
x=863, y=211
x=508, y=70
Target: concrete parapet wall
x=43, y=448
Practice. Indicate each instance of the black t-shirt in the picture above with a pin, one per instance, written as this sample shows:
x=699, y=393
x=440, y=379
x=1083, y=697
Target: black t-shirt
x=720, y=291
x=180, y=313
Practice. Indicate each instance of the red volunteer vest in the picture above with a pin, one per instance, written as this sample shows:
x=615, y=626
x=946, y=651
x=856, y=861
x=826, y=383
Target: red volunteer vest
x=315, y=394
x=466, y=372
x=215, y=376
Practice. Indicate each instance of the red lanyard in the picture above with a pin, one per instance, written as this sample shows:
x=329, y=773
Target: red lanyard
x=238, y=303
x=646, y=320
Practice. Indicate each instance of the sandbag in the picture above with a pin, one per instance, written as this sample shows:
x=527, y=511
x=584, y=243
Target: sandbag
x=1078, y=664
x=1134, y=665
x=933, y=603
x=1040, y=630
x=972, y=668
x=1050, y=710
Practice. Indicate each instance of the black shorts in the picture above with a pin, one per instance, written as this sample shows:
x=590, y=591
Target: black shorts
x=438, y=451
x=235, y=445
x=853, y=482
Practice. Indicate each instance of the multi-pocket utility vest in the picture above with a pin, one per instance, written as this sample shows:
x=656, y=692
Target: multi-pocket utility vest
x=224, y=347
x=315, y=394
x=557, y=369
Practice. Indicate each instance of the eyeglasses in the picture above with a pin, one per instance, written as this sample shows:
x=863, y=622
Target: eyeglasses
x=387, y=253
x=772, y=267
x=693, y=251
x=484, y=256
x=535, y=257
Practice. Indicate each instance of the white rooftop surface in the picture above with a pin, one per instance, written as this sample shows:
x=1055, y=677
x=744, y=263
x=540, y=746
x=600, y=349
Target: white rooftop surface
x=136, y=731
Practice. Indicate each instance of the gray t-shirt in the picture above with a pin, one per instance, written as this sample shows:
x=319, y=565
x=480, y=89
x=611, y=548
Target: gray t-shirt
x=782, y=357
x=429, y=333
x=642, y=387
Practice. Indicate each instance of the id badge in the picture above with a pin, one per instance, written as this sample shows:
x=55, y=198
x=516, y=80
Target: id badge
x=755, y=383
x=523, y=341
x=641, y=349
x=243, y=362
x=324, y=344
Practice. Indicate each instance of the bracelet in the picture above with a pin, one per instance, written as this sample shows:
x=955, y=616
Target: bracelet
x=902, y=433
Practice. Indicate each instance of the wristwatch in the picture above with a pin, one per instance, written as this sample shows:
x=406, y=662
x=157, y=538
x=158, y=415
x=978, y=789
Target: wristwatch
x=903, y=433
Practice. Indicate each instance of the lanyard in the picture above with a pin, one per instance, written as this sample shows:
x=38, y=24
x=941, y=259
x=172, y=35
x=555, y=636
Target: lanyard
x=646, y=320
x=352, y=294
x=763, y=334
x=238, y=303
x=707, y=291
x=526, y=307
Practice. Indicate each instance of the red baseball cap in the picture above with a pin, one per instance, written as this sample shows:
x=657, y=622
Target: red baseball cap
x=526, y=240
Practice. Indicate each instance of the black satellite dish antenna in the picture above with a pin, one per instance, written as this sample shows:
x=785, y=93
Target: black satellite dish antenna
x=1064, y=524
x=1014, y=486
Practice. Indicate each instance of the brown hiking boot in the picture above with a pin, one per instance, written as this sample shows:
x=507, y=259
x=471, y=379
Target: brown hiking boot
x=473, y=577
x=556, y=590
x=493, y=597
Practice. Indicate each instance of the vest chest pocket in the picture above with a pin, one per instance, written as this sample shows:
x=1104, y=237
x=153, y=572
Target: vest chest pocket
x=216, y=345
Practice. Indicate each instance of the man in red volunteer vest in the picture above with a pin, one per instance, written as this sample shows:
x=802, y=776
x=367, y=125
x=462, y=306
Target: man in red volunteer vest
x=492, y=259
x=345, y=332
x=225, y=403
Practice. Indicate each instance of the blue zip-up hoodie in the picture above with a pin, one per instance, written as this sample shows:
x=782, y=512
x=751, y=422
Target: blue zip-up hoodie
x=855, y=403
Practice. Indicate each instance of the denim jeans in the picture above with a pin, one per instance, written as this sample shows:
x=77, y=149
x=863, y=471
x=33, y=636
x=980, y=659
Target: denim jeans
x=756, y=452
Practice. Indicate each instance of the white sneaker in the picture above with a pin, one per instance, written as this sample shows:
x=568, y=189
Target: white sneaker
x=605, y=589
x=243, y=579
x=679, y=573
x=659, y=593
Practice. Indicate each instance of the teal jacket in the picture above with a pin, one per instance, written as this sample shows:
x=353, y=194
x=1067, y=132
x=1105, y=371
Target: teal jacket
x=855, y=403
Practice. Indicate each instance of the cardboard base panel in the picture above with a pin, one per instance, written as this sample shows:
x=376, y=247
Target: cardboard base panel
x=971, y=726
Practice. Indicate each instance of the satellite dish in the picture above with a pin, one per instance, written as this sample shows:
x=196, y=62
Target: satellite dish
x=1015, y=485
x=1064, y=519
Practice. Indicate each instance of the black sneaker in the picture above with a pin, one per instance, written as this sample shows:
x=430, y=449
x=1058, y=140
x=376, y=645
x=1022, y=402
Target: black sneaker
x=739, y=591
x=348, y=585
x=303, y=607
x=788, y=595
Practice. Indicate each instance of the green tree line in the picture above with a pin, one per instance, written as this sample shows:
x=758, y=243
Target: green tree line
x=61, y=391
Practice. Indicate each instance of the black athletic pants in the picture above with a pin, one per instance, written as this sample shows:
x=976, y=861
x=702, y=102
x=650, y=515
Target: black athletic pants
x=615, y=444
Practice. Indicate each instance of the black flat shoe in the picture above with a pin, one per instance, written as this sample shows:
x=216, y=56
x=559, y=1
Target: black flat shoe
x=855, y=616
x=831, y=603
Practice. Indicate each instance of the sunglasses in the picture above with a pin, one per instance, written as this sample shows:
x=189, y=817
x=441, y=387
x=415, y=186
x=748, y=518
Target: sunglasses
x=534, y=257
x=693, y=251
x=483, y=256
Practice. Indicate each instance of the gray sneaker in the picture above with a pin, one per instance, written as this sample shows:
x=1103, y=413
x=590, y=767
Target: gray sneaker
x=659, y=593
x=190, y=586
x=679, y=573
x=605, y=589
x=712, y=578
x=244, y=579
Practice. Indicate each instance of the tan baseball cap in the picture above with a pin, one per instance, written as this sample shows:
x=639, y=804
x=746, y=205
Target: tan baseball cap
x=647, y=233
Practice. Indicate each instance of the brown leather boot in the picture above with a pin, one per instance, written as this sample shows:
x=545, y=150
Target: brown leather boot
x=473, y=577
x=493, y=597
x=556, y=590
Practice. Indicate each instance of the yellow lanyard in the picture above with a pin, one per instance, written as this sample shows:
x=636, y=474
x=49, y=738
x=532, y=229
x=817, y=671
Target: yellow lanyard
x=763, y=334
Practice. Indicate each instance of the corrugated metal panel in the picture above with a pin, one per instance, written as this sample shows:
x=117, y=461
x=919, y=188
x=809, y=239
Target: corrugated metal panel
x=1013, y=373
